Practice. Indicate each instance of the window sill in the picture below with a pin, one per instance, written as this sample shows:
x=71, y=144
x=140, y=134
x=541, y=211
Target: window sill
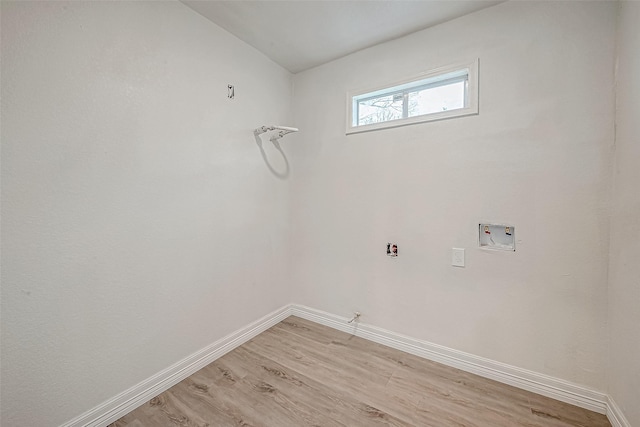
x=460, y=112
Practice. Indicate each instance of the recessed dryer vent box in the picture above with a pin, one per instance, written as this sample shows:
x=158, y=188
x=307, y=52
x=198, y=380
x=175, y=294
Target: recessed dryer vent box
x=497, y=236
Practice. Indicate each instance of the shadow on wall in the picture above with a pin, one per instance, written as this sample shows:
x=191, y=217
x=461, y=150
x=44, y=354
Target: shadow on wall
x=278, y=174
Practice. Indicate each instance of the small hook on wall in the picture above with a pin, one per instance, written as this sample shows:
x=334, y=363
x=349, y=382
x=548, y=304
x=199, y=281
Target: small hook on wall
x=231, y=92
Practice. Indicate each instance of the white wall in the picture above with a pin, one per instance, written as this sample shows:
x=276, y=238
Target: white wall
x=139, y=220
x=537, y=157
x=624, y=269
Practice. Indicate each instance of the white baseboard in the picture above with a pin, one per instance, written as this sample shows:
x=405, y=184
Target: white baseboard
x=565, y=391
x=615, y=415
x=528, y=380
x=125, y=402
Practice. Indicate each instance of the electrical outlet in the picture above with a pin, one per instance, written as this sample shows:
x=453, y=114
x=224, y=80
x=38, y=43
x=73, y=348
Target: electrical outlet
x=457, y=257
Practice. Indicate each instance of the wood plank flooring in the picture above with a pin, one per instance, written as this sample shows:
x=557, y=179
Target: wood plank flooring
x=299, y=373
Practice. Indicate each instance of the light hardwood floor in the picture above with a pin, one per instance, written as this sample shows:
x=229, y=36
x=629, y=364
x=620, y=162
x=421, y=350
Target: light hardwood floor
x=299, y=373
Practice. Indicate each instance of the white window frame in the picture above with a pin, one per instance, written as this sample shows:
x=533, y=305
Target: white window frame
x=471, y=101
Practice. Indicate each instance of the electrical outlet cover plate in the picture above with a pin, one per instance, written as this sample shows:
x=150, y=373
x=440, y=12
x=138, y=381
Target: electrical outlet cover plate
x=457, y=257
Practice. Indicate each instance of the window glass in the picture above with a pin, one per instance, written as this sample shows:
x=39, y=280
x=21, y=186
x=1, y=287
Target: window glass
x=380, y=109
x=437, y=99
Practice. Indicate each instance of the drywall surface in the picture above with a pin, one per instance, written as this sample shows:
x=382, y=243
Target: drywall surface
x=624, y=269
x=537, y=157
x=140, y=222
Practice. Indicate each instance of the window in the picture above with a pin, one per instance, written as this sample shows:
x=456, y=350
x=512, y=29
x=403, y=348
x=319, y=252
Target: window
x=438, y=94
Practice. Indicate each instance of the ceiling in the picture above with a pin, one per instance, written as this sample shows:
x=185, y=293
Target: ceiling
x=301, y=34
